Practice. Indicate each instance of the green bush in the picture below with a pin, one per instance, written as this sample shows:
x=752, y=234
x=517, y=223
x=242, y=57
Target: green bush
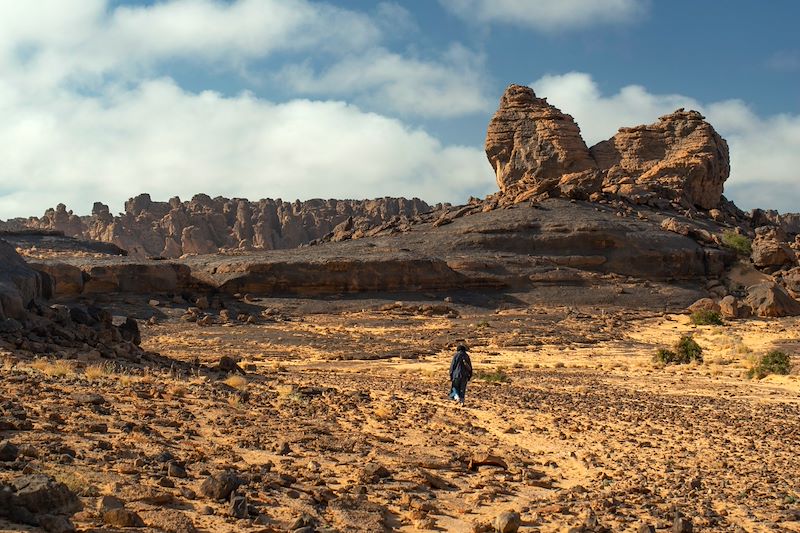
x=775, y=362
x=684, y=352
x=706, y=317
x=741, y=244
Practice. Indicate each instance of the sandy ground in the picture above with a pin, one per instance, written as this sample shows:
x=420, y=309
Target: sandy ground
x=343, y=418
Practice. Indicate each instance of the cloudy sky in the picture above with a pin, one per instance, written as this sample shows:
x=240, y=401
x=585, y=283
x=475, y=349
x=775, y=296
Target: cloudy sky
x=104, y=99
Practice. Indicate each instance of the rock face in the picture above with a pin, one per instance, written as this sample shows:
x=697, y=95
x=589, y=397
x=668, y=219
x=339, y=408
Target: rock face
x=207, y=225
x=536, y=149
x=533, y=147
x=19, y=283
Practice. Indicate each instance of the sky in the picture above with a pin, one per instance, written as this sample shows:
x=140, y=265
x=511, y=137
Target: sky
x=101, y=100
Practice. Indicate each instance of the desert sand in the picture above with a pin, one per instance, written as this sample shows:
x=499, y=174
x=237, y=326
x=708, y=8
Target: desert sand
x=342, y=420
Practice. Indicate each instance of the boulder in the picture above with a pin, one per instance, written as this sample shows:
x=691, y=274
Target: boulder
x=704, y=304
x=39, y=500
x=771, y=300
x=221, y=486
x=770, y=250
x=729, y=307
x=792, y=281
x=508, y=522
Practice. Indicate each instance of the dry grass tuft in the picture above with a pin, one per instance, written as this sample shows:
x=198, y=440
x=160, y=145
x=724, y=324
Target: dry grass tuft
x=56, y=369
x=237, y=382
x=99, y=371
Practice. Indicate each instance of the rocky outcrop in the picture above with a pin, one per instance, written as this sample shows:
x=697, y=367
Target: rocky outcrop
x=555, y=244
x=771, y=249
x=19, y=283
x=535, y=150
x=680, y=158
x=207, y=225
x=789, y=223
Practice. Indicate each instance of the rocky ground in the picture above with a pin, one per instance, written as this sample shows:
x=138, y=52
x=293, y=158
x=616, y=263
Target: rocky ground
x=340, y=422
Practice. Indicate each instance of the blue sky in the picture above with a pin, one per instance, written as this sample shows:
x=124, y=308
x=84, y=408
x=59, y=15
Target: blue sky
x=300, y=98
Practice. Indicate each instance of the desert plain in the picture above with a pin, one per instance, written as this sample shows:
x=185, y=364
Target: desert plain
x=341, y=420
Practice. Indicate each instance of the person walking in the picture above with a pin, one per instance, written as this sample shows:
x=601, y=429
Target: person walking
x=460, y=374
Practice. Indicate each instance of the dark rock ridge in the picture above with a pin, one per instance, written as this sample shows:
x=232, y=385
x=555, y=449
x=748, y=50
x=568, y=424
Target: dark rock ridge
x=206, y=225
x=537, y=151
x=554, y=244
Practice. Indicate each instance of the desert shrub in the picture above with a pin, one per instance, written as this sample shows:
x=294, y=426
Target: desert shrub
x=775, y=362
x=685, y=351
x=741, y=244
x=706, y=317
x=495, y=376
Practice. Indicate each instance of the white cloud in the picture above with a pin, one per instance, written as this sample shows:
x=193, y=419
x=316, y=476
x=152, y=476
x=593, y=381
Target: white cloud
x=158, y=138
x=547, y=15
x=82, y=38
x=765, y=151
x=87, y=116
x=385, y=80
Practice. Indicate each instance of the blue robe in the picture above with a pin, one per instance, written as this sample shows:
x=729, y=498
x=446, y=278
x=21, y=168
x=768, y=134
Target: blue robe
x=460, y=374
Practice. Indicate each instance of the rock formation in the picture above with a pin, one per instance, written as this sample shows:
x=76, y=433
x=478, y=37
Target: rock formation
x=207, y=225
x=19, y=283
x=536, y=149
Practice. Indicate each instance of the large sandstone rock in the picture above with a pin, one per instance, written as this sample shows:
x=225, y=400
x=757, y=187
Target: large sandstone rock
x=533, y=147
x=536, y=149
x=680, y=157
x=771, y=300
x=207, y=225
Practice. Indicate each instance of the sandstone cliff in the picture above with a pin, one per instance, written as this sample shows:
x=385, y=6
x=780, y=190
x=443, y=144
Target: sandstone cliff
x=536, y=150
x=206, y=225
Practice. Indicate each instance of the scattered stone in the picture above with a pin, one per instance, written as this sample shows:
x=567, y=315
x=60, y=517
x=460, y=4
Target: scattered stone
x=486, y=460
x=221, y=486
x=8, y=451
x=374, y=472
x=507, y=522
x=176, y=470
x=238, y=506
x=108, y=503
x=122, y=517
